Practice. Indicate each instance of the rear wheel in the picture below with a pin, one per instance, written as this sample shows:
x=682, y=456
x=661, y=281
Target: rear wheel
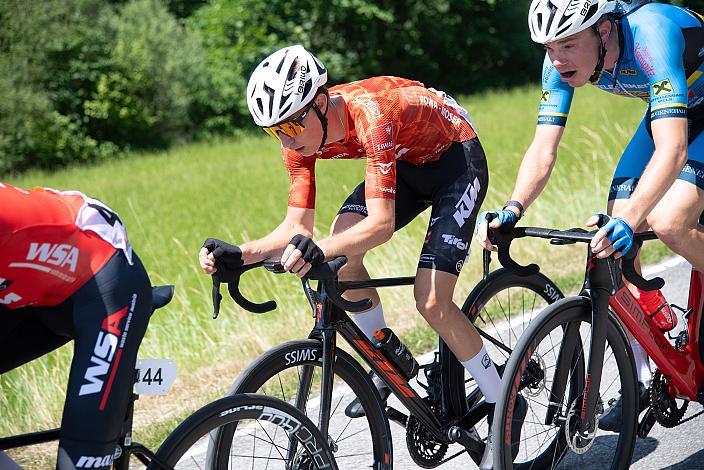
x=501, y=307
x=271, y=434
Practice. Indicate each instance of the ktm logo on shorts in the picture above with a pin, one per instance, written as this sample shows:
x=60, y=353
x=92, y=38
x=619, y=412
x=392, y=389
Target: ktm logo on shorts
x=546, y=96
x=662, y=88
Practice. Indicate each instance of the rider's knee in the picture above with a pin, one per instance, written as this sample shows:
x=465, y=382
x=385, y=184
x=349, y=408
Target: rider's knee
x=353, y=270
x=670, y=230
x=433, y=309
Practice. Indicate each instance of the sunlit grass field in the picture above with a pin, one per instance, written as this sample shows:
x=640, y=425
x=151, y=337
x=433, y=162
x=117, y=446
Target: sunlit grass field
x=237, y=190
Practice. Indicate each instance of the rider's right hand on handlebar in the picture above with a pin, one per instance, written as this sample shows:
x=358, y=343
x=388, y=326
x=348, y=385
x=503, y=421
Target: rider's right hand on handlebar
x=497, y=218
x=217, y=252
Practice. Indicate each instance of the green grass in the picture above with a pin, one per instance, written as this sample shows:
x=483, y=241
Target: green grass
x=236, y=190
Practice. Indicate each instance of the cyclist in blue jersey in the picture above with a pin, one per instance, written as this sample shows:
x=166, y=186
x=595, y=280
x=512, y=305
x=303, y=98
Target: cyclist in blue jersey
x=650, y=51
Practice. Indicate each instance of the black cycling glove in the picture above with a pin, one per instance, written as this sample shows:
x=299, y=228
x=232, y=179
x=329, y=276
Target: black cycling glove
x=227, y=259
x=311, y=252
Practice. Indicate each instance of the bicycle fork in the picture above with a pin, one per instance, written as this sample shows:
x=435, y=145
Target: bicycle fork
x=602, y=280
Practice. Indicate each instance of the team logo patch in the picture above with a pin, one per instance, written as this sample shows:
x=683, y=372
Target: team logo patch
x=661, y=88
x=382, y=137
x=385, y=168
x=546, y=96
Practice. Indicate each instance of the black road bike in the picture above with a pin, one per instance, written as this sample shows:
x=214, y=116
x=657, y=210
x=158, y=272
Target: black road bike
x=442, y=407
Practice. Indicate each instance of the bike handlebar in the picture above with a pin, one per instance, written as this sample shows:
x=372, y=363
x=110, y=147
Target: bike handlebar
x=504, y=235
x=325, y=273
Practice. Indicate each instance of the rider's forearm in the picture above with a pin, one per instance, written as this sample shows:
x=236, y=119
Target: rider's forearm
x=533, y=175
x=272, y=245
x=662, y=171
x=360, y=238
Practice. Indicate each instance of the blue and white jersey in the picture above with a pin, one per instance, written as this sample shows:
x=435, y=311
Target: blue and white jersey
x=661, y=61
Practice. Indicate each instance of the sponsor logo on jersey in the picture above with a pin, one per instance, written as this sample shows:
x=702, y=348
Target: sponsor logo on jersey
x=8, y=297
x=645, y=60
x=382, y=137
x=663, y=87
x=465, y=205
x=545, y=97
x=371, y=107
x=427, y=101
x=433, y=220
x=385, y=168
x=61, y=255
x=628, y=72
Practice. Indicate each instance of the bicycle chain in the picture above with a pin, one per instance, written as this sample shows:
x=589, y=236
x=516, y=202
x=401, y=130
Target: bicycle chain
x=664, y=407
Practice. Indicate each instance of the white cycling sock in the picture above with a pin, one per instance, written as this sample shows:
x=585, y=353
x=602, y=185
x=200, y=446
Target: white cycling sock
x=645, y=375
x=482, y=368
x=370, y=320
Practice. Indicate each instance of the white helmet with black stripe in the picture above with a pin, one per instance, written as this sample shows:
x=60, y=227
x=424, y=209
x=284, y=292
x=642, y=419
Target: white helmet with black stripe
x=283, y=84
x=552, y=20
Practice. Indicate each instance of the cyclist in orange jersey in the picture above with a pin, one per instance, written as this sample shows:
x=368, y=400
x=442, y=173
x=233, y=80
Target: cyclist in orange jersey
x=421, y=151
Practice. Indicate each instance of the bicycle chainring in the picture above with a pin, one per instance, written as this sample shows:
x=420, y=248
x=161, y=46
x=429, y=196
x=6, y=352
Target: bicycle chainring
x=424, y=449
x=664, y=407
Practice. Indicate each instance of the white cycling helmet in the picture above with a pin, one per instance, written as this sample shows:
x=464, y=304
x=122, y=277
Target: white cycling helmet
x=551, y=20
x=283, y=84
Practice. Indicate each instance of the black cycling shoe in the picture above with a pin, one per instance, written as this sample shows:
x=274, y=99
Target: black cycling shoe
x=612, y=419
x=519, y=415
x=355, y=410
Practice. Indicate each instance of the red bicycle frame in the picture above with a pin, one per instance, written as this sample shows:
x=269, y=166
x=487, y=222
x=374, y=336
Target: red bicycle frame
x=684, y=368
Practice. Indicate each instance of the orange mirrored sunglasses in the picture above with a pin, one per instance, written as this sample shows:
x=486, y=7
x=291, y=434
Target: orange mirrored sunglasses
x=291, y=128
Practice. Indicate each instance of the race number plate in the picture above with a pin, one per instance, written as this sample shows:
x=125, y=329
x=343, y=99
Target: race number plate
x=154, y=376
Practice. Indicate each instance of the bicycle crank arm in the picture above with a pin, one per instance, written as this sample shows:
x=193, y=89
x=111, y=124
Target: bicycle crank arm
x=397, y=416
x=646, y=424
x=474, y=447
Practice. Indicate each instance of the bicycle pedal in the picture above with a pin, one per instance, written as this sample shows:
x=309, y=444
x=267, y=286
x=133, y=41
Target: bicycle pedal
x=646, y=424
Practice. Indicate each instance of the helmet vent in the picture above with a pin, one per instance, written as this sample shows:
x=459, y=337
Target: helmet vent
x=285, y=109
x=295, y=65
x=592, y=11
x=260, y=105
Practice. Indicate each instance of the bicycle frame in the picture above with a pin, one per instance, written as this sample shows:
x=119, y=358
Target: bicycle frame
x=684, y=368
x=331, y=319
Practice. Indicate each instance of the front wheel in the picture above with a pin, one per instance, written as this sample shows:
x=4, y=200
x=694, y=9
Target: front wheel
x=271, y=435
x=547, y=368
x=292, y=372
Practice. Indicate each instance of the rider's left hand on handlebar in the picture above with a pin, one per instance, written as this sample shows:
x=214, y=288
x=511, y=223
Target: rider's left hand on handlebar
x=615, y=236
x=301, y=254
x=498, y=218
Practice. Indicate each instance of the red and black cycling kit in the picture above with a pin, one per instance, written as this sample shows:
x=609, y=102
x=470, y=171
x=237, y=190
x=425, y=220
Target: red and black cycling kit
x=421, y=150
x=67, y=271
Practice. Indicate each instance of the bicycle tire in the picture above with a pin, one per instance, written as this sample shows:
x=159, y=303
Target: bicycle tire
x=302, y=353
x=177, y=451
x=573, y=310
x=498, y=281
